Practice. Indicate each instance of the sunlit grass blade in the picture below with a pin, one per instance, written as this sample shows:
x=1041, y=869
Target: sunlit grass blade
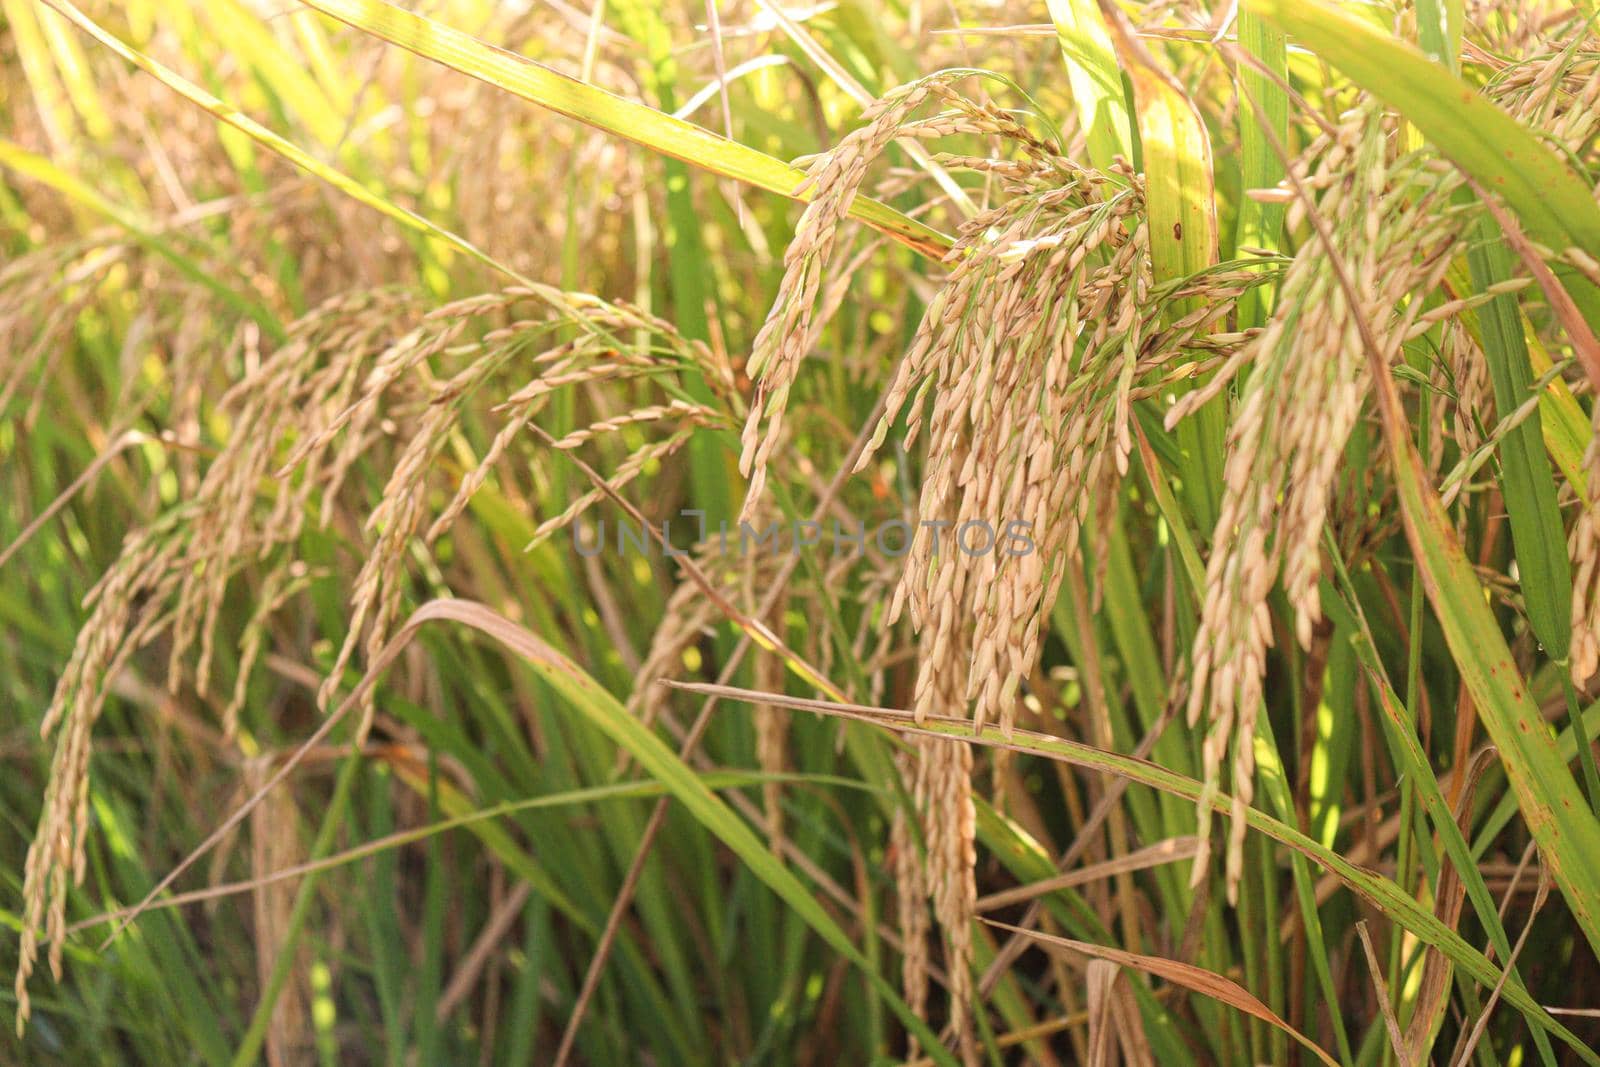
x=1098, y=91
x=50, y=97
x=1180, y=189
x=1260, y=225
x=292, y=84
x=596, y=107
x=1566, y=427
x=1439, y=24
x=260, y=134
x=1181, y=217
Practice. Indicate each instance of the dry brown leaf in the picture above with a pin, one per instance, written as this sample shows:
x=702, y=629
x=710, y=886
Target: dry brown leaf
x=1195, y=979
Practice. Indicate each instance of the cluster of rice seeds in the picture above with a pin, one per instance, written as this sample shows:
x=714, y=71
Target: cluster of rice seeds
x=626, y=471
x=1558, y=92
x=1012, y=410
x=1047, y=331
x=1029, y=353
x=942, y=792
x=293, y=394
x=171, y=577
x=1457, y=481
x=832, y=181
x=1032, y=353
x=351, y=374
x=1397, y=230
x=1584, y=547
x=596, y=354
x=772, y=727
x=275, y=846
x=911, y=898
x=1465, y=375
x=125, y=614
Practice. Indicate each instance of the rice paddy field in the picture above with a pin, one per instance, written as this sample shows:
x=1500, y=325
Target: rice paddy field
x=960, y=532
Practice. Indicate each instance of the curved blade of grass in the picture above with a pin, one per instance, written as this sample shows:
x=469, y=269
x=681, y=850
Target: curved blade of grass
x=459, y=814
x=1412, y=761
x=1527, y=483
x=1380, y=892
x=605, y=111
x=602, y=710
x=1568, y=834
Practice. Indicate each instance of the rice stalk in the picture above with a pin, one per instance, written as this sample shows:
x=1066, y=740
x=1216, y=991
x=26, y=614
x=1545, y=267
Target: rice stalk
x=352, y=374
x=1305, y=393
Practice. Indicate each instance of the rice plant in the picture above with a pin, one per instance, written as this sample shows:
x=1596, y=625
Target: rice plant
x=743, y=533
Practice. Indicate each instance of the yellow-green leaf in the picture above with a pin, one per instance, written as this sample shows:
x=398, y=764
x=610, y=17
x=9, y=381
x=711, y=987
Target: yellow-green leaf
x=1560, y=821
x=1094, y=78
x=1550, y=198
x=1181, y=216
x=606, y=111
